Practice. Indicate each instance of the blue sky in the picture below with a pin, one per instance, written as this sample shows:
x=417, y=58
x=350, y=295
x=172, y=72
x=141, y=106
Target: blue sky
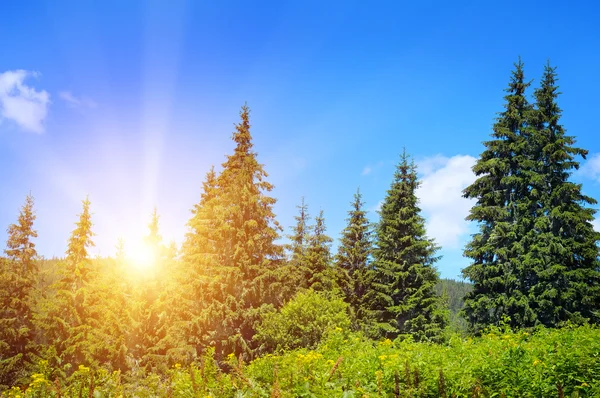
x=131, y=102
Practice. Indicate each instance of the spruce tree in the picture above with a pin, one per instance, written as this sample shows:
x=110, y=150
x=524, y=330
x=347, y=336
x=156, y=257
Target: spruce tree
x=71, y=320
x=148, y=326
x=247, y=222
x=154, y=239
x=504, y=211
x=402, y=299
x=200, y=241
x=247, y=251
x=354, y=257
x=562, y=260
x=239, y=247
x=18, y=274
x=292, y=276
x=195, y=284
x=299, y=236
x=318, y=270
x=535, y=258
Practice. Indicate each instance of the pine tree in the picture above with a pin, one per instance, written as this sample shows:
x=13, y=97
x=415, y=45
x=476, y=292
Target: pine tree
x=194, y=287
x=292, y=276
x=71, y=320
x=310, y=260
x=247, y=251
x=299, y=236
x=354, y=257
x=18, y=274
x=562, y=259
x=504, y=210
x=402, y=300
x=114, y=289
x=318, y=270
x=233, y=234
x=154, y=239
x=200, y=241
x=247, y=222
x=148, y=326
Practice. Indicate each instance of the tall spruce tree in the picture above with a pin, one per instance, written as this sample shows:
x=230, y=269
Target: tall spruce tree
x=18, y=274
x=244, y=251
x=403, y=300
x=196, y=286
x=504, y=211
x=562, y=255
x=354, y=257
x=149, y=327
x=535, y=256
x=248, y=238
x=71, y=320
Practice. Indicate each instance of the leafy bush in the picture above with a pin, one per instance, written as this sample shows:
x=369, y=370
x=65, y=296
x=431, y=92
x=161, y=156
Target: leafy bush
x=302, y=322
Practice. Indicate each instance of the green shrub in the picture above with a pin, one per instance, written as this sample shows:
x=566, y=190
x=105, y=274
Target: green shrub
x=302, y=322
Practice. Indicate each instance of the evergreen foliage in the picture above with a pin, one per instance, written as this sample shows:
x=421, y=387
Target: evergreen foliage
x=319, y=273
x=299, y=236
x=18, y=277
x=562, y=262
x=453, y=293
x=310, y=261
x=239, y=248
x=536, y=245
x=501, y=185
x=354, y=259
x=188, y=324
x=71, y=319
x=402, y=299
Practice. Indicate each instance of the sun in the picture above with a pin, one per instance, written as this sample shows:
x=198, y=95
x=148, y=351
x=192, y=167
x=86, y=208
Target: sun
x=141, y=256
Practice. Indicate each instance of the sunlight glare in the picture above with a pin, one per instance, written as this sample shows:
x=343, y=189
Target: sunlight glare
x=141, y=256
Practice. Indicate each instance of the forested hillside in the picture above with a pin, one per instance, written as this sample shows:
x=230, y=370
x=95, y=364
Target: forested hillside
x=232, y=312
x=454, y=292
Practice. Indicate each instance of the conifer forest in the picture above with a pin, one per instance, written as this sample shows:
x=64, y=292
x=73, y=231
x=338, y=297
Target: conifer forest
x=247, y=307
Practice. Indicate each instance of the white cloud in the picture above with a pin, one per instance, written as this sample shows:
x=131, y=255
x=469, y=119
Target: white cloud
x=430, y=164
x=366, y=171
x=591, y=168
x=377, y=207
x=21, y=103
x=442, y=182
x=77, y=102
x=596, y=224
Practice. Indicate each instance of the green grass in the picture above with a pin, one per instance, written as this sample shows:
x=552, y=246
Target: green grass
x=546, y=363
